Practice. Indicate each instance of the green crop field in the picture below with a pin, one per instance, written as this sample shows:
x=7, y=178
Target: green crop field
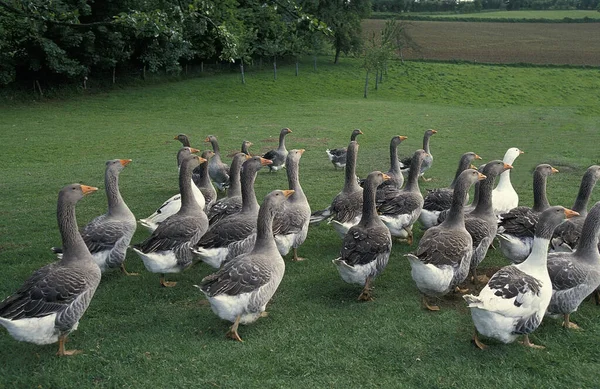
x=136, y=334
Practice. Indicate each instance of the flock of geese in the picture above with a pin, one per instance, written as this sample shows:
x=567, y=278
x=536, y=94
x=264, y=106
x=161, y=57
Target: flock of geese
x=555, y=263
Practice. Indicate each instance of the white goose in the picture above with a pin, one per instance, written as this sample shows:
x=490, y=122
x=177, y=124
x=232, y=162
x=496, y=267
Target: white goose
x=504, y=196
x=515, y=299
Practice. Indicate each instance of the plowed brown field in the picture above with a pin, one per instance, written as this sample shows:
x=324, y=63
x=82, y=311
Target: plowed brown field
x=536, y=43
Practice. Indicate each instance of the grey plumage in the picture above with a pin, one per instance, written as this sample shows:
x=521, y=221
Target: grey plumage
x=201, y=178
x=337, y=156
x=217, y=170
x=233, y=202
x=278, y=155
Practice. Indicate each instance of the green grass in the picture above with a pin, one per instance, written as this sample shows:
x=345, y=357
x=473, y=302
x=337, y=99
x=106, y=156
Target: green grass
x=136, y=334
x=527, y=14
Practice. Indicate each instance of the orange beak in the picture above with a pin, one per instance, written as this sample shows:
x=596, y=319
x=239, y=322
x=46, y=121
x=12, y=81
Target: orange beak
x=175, y=138
x=301, y=151
x=507, y=166
x=201, y=160
x=88, y=189
x=569, y=213
x=482, y=176
x=402, y=138
x=477, y=156
x=288, y=193
x=125, y=162
x=193, y=150
x=434, y=131
x=386, y=177
x=207, y=140
x=521, y=152
x=554, y=170
x=265, y=162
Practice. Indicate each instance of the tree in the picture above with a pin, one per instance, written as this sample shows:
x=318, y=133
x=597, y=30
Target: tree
x=344, y=18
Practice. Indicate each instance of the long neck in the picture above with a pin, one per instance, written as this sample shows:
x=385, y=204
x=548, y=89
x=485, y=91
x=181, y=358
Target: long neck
x=463, y=164
x=588, y=242
x=235, y=187
x=264, y=228
x=204, y=179
x=115, y=201
x=293, y=176
x=484, y=200
x=540, y=201
x=215, y=146
x=369, y=213
x=585, y=191
x=426, y=143
x=282, y=141
x=455, y=214
x=412, y=182
x=538, y=258
x=350, y=183
x=188, y=201
x=249, y=202
x=72, y=242
x=394, y=163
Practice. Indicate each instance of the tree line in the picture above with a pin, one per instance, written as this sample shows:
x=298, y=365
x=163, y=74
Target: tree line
x=66, y=41
x=478, y=5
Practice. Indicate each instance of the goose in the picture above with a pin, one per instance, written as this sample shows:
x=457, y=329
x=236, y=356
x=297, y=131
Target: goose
x=240, y=290
x=482, y=223
x=345, y=209
x=367, y=245
x=566, y=236
x=168, y=249
x=245, y=146
x=427, y=162
x=515, y=299
x=504, y=196
x=400, y=212
x=49, y=305
x=218, y=171
x=290, y=225
x=108, y=236
x=575, y=275
x=213, y=247
x=201, y=179
x=183, y=138
x=172, y=205
x=279, y=154
x=233, y=202
x=438, y=200
x=442, y=258
x=468, y=208
x=390, y=188
x=338, y=156
x=516, y=227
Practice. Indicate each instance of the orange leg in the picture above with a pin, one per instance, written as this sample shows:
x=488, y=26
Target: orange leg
x=232, y=333
x=166, y=284
x=124, y=271
x=366, y=292
x=61, y=348
x=478, y=342
x=527, y=342
x=296, y=257
x=429, y=307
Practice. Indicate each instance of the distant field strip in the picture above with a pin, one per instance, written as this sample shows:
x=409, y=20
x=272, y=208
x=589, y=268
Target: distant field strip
x=535, y=43
x=560, y=14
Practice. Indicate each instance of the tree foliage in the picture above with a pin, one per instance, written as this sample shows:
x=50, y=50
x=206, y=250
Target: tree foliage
x=69, y=40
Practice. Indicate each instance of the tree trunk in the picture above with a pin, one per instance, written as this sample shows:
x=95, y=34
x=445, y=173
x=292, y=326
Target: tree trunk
x=202, y=67
x=144, y=73
x=377, y=79
x=337, y=55
x=186, y=66
x=39, y=88
x=296, y=67
x=114, y=75
x=401, y=57
x=367, y=84
x=242, y=70
x=381, y=73
x=274, y=68
x=315, y=63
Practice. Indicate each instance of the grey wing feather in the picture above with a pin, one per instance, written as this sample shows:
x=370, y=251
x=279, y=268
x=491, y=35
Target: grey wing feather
x=403, y=203
x=49, y=290
x=346, y=207
x=228, y=230
x=172, y=233
x=564, y=273
x=103, y=234
x=438, y=199
x=441, y=247
x=234, y=278
x=362, y=246
x=520, y=221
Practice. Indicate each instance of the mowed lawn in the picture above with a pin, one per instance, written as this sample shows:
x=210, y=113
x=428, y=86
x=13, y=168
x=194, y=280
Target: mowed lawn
x=136, y=334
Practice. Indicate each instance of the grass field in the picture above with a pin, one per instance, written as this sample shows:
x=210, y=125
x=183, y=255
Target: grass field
x=526, y=14
x=138, y=335
x=534, y=43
